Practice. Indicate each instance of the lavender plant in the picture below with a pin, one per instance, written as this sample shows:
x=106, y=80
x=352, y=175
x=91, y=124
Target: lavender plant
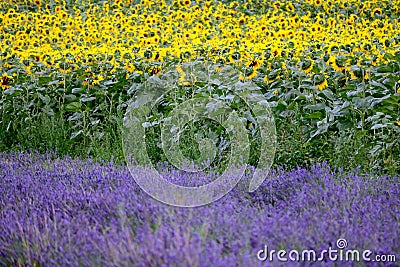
x=69, y=212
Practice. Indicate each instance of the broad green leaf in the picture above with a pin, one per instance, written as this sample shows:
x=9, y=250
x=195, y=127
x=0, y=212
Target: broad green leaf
x=319, y=106
x=73, y=107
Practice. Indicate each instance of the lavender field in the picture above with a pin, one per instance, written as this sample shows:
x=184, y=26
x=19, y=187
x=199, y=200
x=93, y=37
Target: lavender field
x=66, y=212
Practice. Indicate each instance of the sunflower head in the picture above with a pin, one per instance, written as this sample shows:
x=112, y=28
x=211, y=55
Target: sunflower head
x=5, y=81
x=339, y=63
x=322, y=85
x=376, y=13
x=320, y=81
x=307, y=65
x=186, y=3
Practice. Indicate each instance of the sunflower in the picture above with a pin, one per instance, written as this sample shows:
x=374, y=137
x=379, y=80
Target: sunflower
x=254, y=63
x=322, y=85
x=290, y=7
x=320, y=81
x=180, y=70
x=248, y=77
x=188, y=80
x=5, y=81
x=252, y=75
x=186, y=3
x=376, y=12
x=307, y=66
x=317, y=2
x=271, y=77
x=217, y=69
x=339, y=64
x=155, y=70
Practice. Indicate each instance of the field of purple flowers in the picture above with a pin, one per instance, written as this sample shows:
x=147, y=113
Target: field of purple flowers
x=66, y=212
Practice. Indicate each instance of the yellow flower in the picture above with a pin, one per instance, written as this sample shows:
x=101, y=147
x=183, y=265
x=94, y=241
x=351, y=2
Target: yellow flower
x=336, y=66
x=275, y=92
x=398, y=90
x=252, y=75
x=169, y=31
x=247, y=77
x=155, y=70
x=217, y=69
x=376, y=12
x=322, y=85
x=398, y=123
x=186, y=3
x=99, y=78
x=242, y=77
x=5, y=81
x=180, y=70
x=307, y=66
x=317, y=2
x=7, y=65
x=186, y=83
x=254, y=63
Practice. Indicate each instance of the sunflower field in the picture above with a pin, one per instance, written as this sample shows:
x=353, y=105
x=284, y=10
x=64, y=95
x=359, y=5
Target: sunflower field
x=329, y=71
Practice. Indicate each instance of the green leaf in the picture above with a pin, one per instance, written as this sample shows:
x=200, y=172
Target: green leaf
x=94, y=123
x=87, y=99
x=321, y=65
x=315, y=115
x=109, y=82
x=73, y=107
x=384, y=69
x=76, y=134
x=44, y=98
x=13, y=91
x=48, y=110
x=53, y=82
x=75, y=116
x=344, y=125
x=77, y=90
x=377, y=84
x=322, y=127
x=281, y=105
x=319, y=106
x=69, y=97
x=378, y=126
x=300, y=98
x=328, y=93
x=392, y=100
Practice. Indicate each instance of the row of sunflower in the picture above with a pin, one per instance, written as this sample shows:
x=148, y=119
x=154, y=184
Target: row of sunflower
x=49, y=33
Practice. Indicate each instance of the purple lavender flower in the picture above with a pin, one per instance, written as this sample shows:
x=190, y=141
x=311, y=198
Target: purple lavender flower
x=67, y=212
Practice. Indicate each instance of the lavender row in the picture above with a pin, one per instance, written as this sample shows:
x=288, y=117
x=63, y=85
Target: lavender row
x=68, y=212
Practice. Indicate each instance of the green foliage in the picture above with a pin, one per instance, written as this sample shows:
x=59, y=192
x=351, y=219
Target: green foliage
x=351, y=121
